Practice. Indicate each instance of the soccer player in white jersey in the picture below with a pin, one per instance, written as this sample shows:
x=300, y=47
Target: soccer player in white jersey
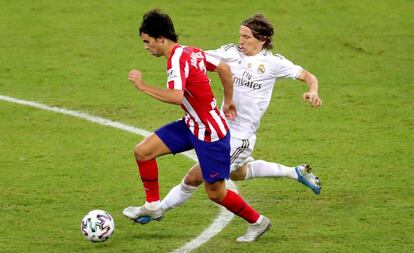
x=255, y=70
x=203, y=127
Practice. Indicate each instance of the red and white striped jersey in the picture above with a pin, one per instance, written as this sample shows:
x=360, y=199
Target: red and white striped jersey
x=186, y=70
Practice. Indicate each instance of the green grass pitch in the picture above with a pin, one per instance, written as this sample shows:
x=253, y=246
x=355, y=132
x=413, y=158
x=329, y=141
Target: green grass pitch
x=77, y=54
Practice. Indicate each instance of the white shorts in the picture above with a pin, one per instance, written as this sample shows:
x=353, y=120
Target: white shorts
x=241, y=151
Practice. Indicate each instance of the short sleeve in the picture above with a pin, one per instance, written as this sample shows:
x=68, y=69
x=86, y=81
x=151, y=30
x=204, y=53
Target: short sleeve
x=177, y=71
x=226, y=53
x=285, y=68
x=211, y=62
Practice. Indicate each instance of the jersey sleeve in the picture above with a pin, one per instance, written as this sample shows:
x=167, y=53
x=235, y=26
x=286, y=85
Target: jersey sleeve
x=177, y=71
x=285, y=68
x=211, y=62
x=226, y=53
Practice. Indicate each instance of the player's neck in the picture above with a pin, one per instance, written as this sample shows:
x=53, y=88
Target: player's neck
x=254, y=52
x=168, y=48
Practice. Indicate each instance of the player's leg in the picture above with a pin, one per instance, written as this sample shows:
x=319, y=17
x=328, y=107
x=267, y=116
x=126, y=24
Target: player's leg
x=258, y=224
x=218, y=193
x=214, y=159
x=171, y=138
x=145, y=153
x=182, y=192
x=179, y=194
x=261, y=168
x=245, y=167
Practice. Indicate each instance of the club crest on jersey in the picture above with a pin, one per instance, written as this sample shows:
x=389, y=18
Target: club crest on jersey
x=171, y=75
x=261, y=69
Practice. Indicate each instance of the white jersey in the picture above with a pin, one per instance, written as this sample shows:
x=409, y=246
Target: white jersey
x=254, y=78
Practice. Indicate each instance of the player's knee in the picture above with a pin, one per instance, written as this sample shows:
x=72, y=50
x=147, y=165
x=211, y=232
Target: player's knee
x=216, y=192
x=194, y=177
x=141, y=154
x=193, y=180
x=188, y=188
x=215, y=196
x=240, y=172
x=237, y=175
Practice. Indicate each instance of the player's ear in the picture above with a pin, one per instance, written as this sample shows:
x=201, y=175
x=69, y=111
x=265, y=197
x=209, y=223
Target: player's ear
x=263, y=41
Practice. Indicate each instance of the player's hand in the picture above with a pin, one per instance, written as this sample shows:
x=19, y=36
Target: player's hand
x=135, y=77
x=229, y=110
x=313, y=99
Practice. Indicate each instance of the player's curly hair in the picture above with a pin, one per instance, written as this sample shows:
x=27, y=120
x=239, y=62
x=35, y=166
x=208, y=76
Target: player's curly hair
x=261, y=28
x=158, y=24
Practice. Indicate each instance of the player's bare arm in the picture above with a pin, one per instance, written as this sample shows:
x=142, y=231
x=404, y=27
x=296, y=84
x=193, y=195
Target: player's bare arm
x=171, y=96
x=226, y=78
x=311, y=95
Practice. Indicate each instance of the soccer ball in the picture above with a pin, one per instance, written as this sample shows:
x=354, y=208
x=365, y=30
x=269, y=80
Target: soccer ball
x=97, y=226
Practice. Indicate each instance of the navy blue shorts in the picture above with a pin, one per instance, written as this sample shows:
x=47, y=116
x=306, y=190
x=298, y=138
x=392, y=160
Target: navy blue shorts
x=213, y=157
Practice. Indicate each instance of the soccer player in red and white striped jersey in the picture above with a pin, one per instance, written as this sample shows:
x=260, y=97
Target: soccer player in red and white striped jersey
x=187, y=71
x=203, y=127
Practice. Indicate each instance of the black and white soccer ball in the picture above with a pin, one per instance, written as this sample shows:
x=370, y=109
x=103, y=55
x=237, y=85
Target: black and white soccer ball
x=97, y=226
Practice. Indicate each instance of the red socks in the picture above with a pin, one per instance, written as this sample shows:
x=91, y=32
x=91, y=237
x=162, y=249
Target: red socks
x=235, y=204
x=148, y=171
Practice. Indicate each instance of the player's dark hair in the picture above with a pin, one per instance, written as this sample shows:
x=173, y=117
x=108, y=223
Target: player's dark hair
x=157, y=24
x=261, y=28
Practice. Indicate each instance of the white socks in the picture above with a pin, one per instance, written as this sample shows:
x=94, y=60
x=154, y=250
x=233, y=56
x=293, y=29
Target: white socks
x=177, y=196
x=182, y=192
x=260, y=168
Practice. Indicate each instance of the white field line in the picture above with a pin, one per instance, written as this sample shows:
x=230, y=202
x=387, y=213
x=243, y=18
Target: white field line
x=222, y=219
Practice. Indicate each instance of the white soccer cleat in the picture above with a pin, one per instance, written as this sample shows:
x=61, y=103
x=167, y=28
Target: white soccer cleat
x=142, y=214
x=254, y=231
